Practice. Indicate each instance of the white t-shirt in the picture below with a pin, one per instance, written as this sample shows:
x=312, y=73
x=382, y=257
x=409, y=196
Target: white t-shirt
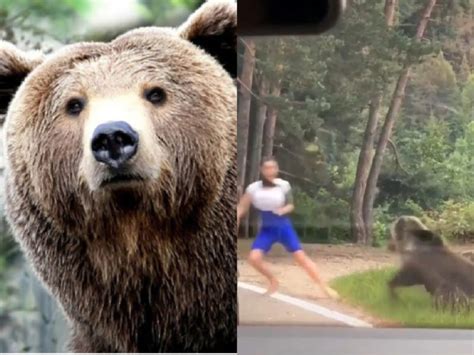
x=269, y=198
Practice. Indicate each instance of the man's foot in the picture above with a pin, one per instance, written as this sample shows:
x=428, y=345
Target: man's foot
x=331, y=293
x=272, y=288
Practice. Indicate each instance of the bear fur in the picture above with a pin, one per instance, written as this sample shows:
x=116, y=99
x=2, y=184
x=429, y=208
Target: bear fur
x=427, y=261
x=145, y=262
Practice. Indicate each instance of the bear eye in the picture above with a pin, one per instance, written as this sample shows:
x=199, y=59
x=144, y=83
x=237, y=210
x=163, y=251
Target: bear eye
x=75, y=106
x=155, y=95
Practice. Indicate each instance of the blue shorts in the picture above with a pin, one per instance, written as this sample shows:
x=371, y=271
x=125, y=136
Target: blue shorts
x=276, y=229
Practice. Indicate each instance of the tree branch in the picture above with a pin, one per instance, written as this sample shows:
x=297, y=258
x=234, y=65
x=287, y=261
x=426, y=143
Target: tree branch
x=296, y=155
x=251, y=92
x=298, y=177
x=397, y=157
x=245, y=44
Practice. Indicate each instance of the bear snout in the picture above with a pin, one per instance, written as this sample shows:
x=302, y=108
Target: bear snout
x=114, y=143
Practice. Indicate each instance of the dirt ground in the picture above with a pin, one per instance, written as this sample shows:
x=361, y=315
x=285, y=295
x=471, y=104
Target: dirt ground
x=332, y=260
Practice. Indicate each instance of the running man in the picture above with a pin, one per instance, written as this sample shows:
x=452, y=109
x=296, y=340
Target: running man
x=273, y=198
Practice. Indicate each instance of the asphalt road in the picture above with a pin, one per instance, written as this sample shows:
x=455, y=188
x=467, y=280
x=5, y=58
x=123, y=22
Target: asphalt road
x=314, y=340
x=281, y=326
x=282, y=309
x=258, y=309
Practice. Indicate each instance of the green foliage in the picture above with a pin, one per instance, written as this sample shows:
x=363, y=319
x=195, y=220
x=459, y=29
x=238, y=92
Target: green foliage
x=412, y=209
x=327, y=83
x=344, y=177
x=454, y=221
x=459, y=165
x=9, y=251
x=380, y=233
x=368, y=290
x=436, y=74
x=439, y=164
x=467, y=100
x=41, y=18
x=167, y=12
x=382, y=220
x=320, y=219
x=35, y=23
x=433, y=146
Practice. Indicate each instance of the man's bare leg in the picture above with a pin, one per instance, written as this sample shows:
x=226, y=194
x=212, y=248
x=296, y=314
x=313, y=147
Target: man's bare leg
x=256, y=260
x=310, y=267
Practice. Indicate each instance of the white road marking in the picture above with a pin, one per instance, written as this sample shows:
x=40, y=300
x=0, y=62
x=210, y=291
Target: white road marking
x=311, y=307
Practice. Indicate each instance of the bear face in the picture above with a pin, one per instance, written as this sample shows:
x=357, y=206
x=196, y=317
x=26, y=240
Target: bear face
x=408, y=233
x=137, y=83
x=120, y=182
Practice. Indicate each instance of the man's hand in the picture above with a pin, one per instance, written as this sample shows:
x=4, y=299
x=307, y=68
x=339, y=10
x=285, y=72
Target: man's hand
x=280, y=212
x=284, y=210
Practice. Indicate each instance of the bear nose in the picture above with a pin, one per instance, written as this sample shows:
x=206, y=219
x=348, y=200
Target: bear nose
x=114, y=143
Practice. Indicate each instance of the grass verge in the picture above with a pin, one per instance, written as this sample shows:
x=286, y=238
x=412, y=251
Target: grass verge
x=368, y=290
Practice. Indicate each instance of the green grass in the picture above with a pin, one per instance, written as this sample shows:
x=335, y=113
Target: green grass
x=368, y=290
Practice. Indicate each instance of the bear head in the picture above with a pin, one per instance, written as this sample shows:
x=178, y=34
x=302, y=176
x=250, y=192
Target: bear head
x=143, y=123
x=409, y=234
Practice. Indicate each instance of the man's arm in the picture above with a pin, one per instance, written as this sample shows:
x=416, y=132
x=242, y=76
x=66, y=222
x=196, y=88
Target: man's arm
x=243, y=206
x=289, y=206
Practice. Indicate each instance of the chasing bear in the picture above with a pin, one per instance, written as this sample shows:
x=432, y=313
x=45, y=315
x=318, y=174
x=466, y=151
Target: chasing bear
x=427, y=261
x=120, y=182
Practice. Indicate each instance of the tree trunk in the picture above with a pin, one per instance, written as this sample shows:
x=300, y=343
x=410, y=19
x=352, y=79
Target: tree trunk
x=270, y=123
x=257, y=121
x=255, y=152
x=397, y=100
x=389, y=10
x=243, y=115
x=363, y=168
x=358, y=224
x=243, y=120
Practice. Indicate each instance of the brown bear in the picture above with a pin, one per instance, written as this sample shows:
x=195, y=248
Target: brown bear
x=427, y=261
x=121, y=182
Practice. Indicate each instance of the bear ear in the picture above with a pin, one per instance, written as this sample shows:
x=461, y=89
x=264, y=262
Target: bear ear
x=213, y=27
x=15, y=65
